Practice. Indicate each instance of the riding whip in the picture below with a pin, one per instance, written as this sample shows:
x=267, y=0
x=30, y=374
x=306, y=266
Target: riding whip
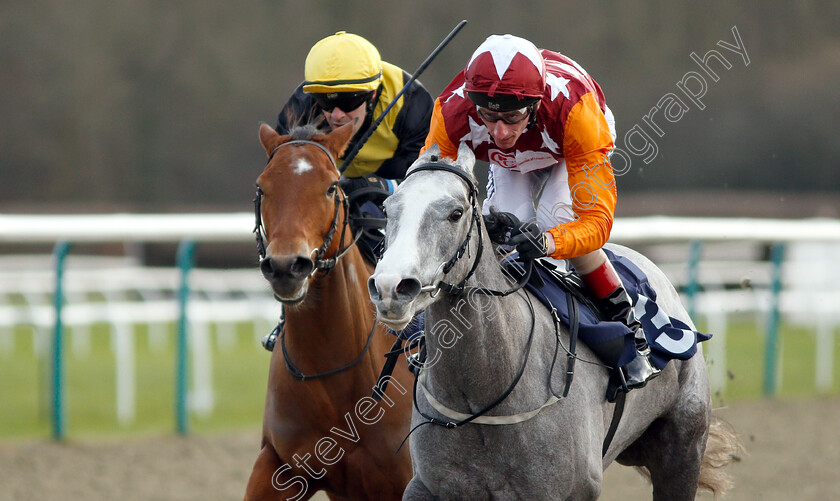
x=420, y=69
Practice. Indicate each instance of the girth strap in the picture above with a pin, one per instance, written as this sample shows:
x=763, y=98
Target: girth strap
x=617, y=412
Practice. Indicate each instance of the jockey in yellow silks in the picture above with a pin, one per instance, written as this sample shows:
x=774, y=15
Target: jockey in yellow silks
x=346, y=80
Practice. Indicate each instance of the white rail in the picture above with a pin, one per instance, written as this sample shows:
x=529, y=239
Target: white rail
x=129, y=295
x=226, y=227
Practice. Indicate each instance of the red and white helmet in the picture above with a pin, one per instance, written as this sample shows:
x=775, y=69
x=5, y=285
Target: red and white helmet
x=505, y=72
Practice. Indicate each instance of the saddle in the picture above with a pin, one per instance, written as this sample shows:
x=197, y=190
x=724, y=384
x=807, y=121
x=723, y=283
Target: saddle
x=669, y=338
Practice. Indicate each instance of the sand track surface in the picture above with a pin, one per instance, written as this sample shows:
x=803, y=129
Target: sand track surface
x=793, y=453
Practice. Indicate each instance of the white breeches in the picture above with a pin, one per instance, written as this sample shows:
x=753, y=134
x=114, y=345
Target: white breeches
x=543, y=196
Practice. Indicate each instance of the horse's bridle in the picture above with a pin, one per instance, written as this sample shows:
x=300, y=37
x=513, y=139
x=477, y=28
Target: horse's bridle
x=322, y=263
x=459, y=419
x=459, y=288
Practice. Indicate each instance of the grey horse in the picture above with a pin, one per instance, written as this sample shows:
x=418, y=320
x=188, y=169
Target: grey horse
x=531, y=445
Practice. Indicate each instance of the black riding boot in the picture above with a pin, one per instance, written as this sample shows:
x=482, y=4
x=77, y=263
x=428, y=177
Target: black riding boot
x=270, y=339
x=619, y=307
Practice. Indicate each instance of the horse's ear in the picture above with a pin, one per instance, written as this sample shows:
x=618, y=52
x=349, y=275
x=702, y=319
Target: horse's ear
x=466, y=158
x=269, y=137
x=426, y=156
x=337, y=140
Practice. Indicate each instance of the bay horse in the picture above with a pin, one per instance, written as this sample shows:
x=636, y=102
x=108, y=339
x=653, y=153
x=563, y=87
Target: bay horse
x=321, y=428
x=496, y=357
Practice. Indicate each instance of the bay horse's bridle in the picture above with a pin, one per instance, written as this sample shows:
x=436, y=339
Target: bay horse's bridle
x=322, y=263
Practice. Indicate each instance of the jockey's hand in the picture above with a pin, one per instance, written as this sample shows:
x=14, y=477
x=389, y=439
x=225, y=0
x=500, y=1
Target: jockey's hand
x=530, y=241
x=499, y=225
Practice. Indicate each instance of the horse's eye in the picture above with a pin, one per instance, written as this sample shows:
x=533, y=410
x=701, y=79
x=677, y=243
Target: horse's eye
x=331, y=190
x=456, y=215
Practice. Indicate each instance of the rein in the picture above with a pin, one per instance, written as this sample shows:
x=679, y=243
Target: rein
x=461, y=287
x=322, y=263
x=297, y=374
x=467, y=418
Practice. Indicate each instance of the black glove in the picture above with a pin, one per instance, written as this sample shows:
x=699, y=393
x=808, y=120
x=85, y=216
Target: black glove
x=499, y=225
x=529, y=240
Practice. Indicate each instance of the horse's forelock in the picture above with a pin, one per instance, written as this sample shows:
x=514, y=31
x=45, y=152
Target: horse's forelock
x=305, y=132
x=305, y=126
x=434, y=151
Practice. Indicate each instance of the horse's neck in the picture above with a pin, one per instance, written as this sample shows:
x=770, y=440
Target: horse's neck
x=336, y=313
x=489, y=332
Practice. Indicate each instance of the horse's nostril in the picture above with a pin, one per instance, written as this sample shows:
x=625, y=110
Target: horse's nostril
x=286, y=267
x=302, y=266
x=373, y=291
x=408, y=288
x=266, y=267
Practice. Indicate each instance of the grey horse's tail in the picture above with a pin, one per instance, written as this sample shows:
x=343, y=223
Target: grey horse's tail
x=722, y=449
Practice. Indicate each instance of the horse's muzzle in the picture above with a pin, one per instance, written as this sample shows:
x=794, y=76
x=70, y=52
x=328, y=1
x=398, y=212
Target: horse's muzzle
x=286, y=274
x=393, y=296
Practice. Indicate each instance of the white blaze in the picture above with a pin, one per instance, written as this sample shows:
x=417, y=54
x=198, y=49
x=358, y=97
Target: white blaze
x=301, y=166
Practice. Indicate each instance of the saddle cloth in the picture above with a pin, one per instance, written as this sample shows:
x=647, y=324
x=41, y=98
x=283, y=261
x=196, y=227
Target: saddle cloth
x=668, y=337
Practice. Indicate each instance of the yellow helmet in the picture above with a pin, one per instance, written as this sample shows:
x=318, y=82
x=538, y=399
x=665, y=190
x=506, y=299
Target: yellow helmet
x=343, y=62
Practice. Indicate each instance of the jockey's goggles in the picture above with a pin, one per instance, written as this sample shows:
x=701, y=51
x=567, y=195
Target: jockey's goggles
x=512, y=117
x=345, y=101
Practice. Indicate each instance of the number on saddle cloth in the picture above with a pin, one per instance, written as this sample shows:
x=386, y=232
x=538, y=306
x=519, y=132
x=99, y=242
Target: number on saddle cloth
x=668, y=337
x=365, y=196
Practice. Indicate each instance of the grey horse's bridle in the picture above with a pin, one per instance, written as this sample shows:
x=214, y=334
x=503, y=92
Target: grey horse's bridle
x=458, y=419
x=475, y=221
x=457, y=289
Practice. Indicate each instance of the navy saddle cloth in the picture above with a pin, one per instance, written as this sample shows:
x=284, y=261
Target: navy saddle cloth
x=668, y=337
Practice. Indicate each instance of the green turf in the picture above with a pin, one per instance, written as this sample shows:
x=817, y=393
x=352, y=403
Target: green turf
x=745, y=361
x=240, y=372
x=239, y=381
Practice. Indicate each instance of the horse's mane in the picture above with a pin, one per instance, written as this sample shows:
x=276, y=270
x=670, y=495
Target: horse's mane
x=305, y=125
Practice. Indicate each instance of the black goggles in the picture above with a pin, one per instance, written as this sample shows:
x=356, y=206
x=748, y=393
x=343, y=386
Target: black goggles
x=345, y=101
x=512, y=117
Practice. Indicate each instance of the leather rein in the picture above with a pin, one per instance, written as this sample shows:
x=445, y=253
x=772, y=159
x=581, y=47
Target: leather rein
x=322, y=263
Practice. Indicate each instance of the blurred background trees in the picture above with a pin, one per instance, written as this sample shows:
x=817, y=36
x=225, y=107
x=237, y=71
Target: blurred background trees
x=154, y=106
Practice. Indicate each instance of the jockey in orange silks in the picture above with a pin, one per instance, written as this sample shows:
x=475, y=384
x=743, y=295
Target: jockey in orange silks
x=542, y=123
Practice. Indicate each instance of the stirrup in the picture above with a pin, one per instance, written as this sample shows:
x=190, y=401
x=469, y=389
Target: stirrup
x=269, y=340
x=635, y=374
x=639, y=371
